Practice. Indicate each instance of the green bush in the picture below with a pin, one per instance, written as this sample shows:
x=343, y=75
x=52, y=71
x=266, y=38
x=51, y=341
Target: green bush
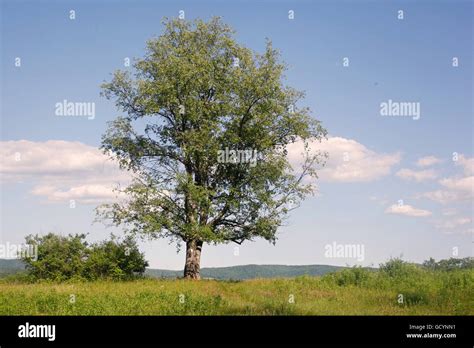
x=115, y=259
x=70, y=257
x=397, y=268
x=58, y=257
x=351, y=276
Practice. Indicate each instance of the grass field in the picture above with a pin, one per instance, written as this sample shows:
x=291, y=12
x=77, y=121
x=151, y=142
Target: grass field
x=350, y=292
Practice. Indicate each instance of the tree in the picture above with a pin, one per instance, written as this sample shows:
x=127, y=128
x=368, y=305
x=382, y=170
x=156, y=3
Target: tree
x=205, y=135
x=58, y=257
x=66, y=257
x=449, y=264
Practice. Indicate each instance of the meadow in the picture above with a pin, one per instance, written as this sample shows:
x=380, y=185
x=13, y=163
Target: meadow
x=354, y=291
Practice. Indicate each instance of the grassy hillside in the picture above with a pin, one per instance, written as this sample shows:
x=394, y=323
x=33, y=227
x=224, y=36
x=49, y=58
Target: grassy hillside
x=350, y=291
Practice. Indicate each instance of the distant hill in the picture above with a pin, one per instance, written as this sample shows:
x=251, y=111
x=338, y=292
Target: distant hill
x=233, y=272
x=250, y=271
x=10, y=266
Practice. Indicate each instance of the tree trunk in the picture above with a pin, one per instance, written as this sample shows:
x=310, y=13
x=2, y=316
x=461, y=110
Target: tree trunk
x=192, y=268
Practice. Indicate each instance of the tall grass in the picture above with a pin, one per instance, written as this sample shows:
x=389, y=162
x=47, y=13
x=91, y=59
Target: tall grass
x=354, y=291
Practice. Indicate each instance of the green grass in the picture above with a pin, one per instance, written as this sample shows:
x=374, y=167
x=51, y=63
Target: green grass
x=350, y=292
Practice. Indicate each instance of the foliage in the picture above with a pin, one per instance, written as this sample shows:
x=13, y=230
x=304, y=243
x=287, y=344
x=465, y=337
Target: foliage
x=115, y=259
x=449, y=264
x=397, y=268
x=58, y=257
x=69, y=257
x=350, y=276
x=187, y=101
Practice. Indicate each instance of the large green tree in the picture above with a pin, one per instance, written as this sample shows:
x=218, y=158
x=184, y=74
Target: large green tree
x=195, y=97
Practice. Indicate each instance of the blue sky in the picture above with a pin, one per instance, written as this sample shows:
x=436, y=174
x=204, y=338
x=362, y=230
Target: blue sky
x=407, y=60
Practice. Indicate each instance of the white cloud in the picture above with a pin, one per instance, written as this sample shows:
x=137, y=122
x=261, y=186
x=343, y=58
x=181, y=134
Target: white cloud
x=458, y=224
x=89, y=193
x=456, y=188
x=461, y=184
x=444, y=196
x=407, y=210
x=25, y=158
x=428, y=161
x=466, y=163
x=65, y=170
x=417, y=175
x=453, y=223
x=61, y=170
x=348, y=161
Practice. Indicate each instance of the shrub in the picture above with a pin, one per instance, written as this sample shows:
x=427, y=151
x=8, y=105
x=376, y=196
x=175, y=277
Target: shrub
x=351, y=276
x=58, y=257
x=115, y=259
x=71, y=257
x=397, y=268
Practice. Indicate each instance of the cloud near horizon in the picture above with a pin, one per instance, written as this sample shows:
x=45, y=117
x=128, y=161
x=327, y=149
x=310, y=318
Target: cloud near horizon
x=61, y=170
x=64, y=170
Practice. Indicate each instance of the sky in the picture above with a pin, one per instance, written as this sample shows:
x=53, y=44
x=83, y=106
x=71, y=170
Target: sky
x=396, y=185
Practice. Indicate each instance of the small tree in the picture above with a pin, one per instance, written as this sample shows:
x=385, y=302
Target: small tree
x=206, y=131
x=66, y=257
x=58, y=257
x=430, y=264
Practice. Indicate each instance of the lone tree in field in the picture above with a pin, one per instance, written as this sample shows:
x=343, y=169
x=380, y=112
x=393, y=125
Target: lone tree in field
x=206, y=131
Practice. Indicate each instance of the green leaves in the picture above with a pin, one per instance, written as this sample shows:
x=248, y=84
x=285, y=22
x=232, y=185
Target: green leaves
x=71, y=257
x=195, y=93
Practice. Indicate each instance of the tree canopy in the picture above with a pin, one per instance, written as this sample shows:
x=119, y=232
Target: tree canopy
x=205, y=132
